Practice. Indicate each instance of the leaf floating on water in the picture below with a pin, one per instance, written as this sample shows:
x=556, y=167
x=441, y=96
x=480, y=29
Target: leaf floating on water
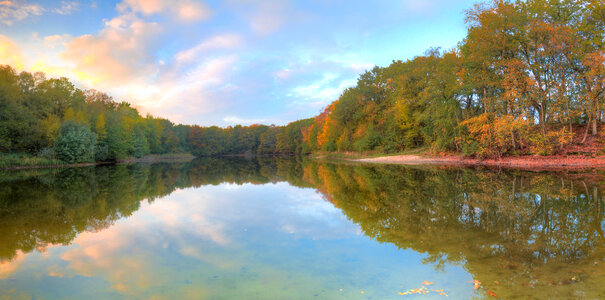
x=423, y=290
x=476, y=284
x=492, y=294
x=362, y=292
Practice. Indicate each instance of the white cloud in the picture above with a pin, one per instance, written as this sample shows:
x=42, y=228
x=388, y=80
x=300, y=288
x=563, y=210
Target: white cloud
x=57, y=40
x=184, y=10
x=326, y=89
x=266, y=16
x=242, y=121
x=67, y=7
x=13, y=11
x=226, y=41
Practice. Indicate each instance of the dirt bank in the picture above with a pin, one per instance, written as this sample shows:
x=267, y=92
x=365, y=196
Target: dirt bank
x=536, y=163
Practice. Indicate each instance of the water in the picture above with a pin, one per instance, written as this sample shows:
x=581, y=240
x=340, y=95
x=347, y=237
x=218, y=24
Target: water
x=300, y=229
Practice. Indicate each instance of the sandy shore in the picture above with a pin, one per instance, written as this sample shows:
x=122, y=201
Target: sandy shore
x=536, y=163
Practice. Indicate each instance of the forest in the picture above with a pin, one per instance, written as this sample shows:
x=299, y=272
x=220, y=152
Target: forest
x=529, y=78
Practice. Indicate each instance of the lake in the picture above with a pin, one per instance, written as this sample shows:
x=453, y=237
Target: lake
x=273, y=228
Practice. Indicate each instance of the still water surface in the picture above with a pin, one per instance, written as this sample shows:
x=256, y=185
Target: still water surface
x=294, y=229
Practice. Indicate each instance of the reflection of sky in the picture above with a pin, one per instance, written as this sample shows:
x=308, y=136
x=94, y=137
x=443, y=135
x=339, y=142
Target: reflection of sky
x=247, y=241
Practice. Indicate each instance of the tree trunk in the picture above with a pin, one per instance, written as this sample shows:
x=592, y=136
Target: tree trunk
x=586, y=131
x=596, y=119
x=542, y=118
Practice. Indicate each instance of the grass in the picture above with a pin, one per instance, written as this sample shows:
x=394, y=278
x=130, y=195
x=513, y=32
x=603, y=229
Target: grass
x=168, y=157
x=24, y=160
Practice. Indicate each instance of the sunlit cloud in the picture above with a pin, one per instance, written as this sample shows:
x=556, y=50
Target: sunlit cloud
x=57, y=40
x=10, y=54
x=118, y=54
x=185, y=10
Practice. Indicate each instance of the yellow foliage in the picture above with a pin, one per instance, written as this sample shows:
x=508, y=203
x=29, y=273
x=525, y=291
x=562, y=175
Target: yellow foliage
x=488, y=135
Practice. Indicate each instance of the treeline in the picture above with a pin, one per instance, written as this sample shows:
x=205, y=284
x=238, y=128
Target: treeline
x=522, y=64
x=253, y=139
x=51, y=118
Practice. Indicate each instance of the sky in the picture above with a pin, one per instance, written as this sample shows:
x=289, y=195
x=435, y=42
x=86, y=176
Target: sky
x=223, y=62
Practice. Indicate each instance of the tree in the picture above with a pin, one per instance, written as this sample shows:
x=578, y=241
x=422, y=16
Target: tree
x=75, y=143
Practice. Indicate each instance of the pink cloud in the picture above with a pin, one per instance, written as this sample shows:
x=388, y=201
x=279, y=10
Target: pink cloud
x=184, y=10
x=119, y=53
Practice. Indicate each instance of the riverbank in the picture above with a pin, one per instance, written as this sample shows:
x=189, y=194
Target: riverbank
x=533, y=163
x=23, y=162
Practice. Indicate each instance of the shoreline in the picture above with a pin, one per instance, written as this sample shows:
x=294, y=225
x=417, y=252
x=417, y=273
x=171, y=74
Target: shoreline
x=146, y=159
x=531, y=163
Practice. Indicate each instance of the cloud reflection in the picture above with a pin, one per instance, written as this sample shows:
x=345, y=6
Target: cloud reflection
x=219, y=226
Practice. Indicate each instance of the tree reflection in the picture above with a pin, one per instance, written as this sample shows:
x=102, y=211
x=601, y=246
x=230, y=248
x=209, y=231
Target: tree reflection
x=522, y=234
x=518, y=233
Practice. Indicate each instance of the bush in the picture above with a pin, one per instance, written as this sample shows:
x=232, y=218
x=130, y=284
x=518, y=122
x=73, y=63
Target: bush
x=370, y=140
x=75, y=143
x=550, y=143
x=488, y=135
x=101, y=152
x=47, y=153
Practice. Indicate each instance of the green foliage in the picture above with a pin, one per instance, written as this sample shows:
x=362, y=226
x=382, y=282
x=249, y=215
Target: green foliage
x=140, y=144
x=551, y=143
x=75, y=143
x=370, y=140
x=25, y=160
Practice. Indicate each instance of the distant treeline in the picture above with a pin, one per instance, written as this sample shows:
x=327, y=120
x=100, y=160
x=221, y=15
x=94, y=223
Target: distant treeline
x=525, y=78
x=50, y=118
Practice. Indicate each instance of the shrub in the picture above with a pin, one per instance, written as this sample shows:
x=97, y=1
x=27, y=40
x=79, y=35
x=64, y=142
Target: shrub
x=101, y=152
x=488, y=135
x=550, y=143
x=75, y=143
x=47, y=153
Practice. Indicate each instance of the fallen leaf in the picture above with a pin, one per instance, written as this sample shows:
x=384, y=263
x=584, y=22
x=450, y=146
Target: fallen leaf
x=490, y=293
x=362, y=292
x=427, y=283
x=476, y=284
